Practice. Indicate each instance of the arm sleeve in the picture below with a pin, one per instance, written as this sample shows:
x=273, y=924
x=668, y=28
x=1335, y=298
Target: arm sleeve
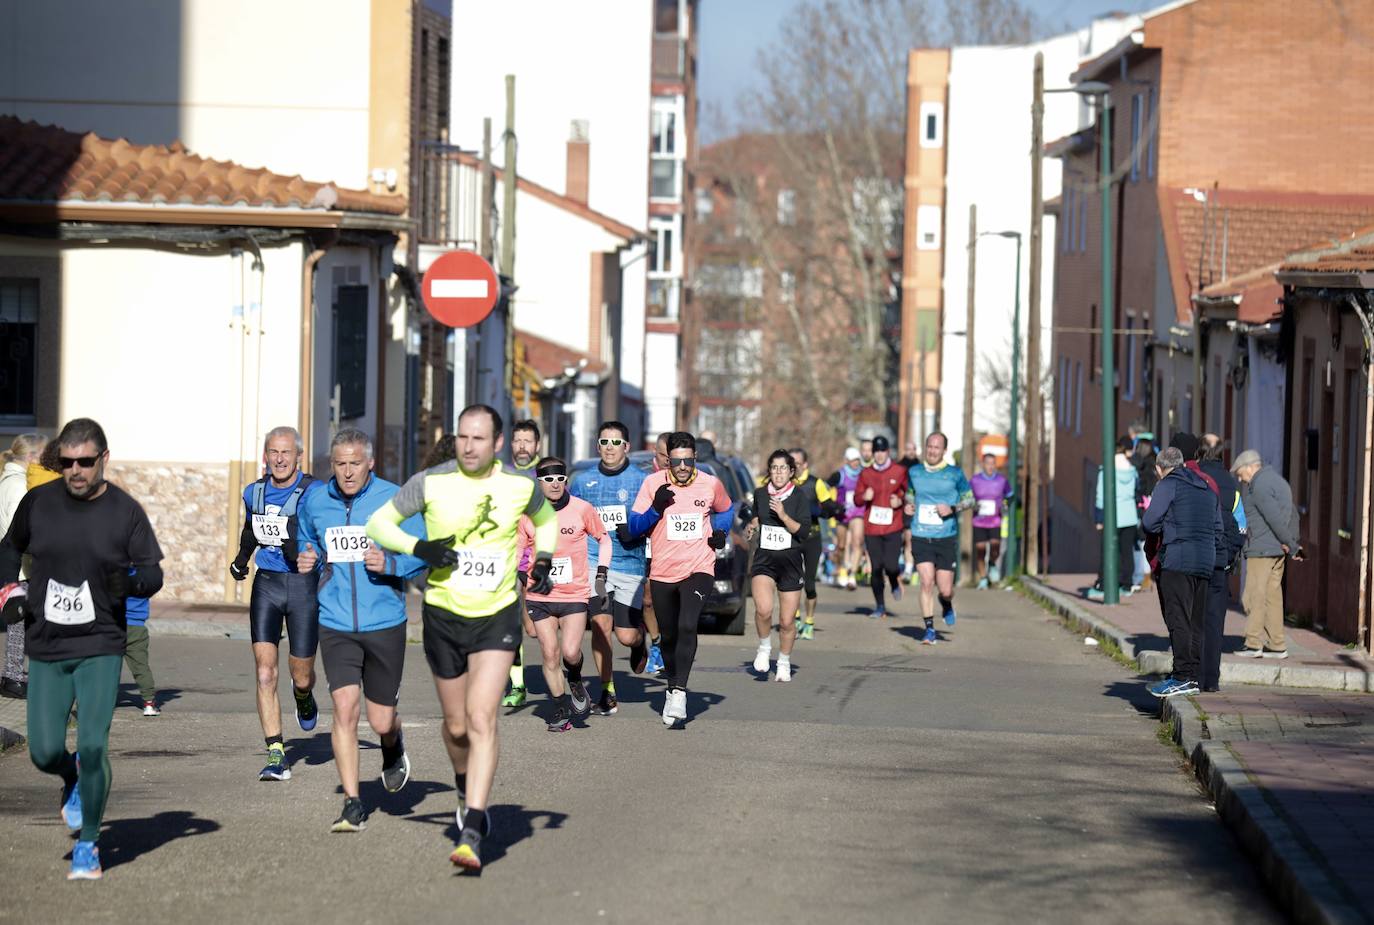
x=384, y=529
x=144, y=555
x=545, y=520
x=723, y=520
x=965, y=493
x=824, y=491
x=305, y=530
x=16, y=541
x=643, y=518
x=524, y=537
x=834, y=481
x=1153, y=521
x=248, y=543
x=597, y=530
x=403, y=565
x=1269, y=507
x=802, y=515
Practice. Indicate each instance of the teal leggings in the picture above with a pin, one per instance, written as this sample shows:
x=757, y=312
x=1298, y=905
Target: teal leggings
x=93, y=684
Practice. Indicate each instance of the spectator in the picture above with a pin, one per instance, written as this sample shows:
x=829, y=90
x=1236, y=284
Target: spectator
x=1184, y=511
x=1272, y=538
x=1229, y=547
x=1144, y=459
x=26, y=448
x=136, y=653
x=1127, y=482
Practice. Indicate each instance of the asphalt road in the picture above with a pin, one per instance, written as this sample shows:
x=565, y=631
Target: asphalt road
x=1007, y=774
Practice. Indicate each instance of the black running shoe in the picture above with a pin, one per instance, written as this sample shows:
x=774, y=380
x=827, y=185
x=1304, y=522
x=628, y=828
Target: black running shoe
x=577, y=693
x=561, y=721
x=639, y=657
x=397, y=773
x=352, y=819
x=607, y=705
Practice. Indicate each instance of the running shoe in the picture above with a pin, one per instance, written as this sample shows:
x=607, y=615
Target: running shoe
x=949, y=615
x=639, y=657
x=307, y=713
x=353, y=818
x=807, y=631
x=1275, y=653
x=150, y=709
x=461, y=815
x=668, y=719
x=71, y=802
x=879, y=612
x=516, y=698
x=677, y=700
x=761, y=658
x=851, y=584
x=982, y=584
x=607, y=705
x=655, y=664
x=784, y=668
x=468, y=854
x=1170, y=686
x=561, y=721
x=85, y=862
x=929, y=638
x=277, y=768
x=396, y=774
x=577, y=693
x=897, y=591
x=843, y=580
x=994, y=573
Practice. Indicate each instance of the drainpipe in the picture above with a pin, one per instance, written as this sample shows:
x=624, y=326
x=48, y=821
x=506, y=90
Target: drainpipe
x=233, y=590
x=306, y=414
x=1368, y=471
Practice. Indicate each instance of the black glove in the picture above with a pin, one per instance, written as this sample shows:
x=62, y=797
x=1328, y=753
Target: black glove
x=522, y=579
x=717, y=540
x=436, y=553
x=663, y=498
x=239, y=569
x=541, y=582
x=599, y=586
x=622, y=533
x=831, y=509
x=747, y=512
x=14, y=604
x=117, y=584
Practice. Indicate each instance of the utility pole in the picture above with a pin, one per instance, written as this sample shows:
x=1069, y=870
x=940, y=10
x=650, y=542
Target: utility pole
x=965, y=525
x=487, y=193
x=1013, y=457
x=508, y=233
x=1111, y=591
x=1032, y=505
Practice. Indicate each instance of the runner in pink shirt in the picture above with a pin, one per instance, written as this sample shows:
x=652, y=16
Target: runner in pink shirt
x=565, y=606
x=686, y=514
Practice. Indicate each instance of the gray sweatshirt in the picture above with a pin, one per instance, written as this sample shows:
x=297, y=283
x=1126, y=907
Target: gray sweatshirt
x=1273, y=520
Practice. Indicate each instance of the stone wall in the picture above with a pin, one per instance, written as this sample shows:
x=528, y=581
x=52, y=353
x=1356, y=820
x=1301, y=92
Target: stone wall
x=187, y=506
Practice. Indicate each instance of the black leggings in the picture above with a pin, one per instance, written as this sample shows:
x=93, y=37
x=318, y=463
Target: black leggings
x=811, y=560
x=678, y=605
x=883, y=552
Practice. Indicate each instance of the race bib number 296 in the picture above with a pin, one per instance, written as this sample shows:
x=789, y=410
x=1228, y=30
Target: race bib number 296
x=67, y=605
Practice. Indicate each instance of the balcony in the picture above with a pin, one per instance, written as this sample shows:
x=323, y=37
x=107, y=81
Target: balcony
x=669, y=57
x=663, y=299
x=448, y=196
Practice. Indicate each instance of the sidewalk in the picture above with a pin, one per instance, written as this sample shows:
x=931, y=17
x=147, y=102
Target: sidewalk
x=1290, y=774
x=1136, y=627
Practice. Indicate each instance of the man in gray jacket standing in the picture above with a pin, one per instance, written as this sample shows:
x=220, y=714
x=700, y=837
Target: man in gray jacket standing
x=1273, y=537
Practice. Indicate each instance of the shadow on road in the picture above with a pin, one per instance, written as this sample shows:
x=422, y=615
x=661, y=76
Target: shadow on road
x=123, y=840
x=310, y=750
x=918, y=633
x=510, y=824
x=1136, y=694
x=402, y=803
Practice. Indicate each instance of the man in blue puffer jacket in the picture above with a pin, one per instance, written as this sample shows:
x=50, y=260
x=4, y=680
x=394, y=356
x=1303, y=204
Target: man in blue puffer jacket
x=1185, y=510
x=362, y=613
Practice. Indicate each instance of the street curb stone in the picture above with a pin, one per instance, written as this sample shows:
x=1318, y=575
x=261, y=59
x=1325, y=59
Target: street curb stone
x=1161, y=663
x=1295, y=875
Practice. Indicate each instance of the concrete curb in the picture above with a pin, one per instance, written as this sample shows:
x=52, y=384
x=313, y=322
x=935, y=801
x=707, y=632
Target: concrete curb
x=1161, y=663
x=1297, y=877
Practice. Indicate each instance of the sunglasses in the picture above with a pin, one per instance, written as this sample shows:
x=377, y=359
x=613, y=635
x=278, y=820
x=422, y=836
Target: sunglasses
x=688, y=463
x=611, y=441
x=553, y=478
x=85, y=462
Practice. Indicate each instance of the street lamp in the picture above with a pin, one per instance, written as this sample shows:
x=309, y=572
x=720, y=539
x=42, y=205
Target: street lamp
x=1013, y=448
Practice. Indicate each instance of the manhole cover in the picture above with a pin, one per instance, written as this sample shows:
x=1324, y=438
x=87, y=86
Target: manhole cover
x=902, y=668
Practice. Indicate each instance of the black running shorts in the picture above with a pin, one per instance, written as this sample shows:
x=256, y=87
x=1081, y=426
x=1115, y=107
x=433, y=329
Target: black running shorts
x=450, y=639
x=987, y=534
x=784, y=567
x=542, y=610
x=286, y=598
x=373, y=660
x=943, y=551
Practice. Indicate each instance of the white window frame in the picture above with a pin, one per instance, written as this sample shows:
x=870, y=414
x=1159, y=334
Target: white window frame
x=671, y=106
x=670, y=226
x=787, y=207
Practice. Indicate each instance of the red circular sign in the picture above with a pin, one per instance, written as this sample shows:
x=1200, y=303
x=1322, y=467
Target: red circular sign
x=460, y=289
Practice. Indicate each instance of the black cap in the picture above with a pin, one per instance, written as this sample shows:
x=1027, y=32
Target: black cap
x=1187, y=444
x=880, y=444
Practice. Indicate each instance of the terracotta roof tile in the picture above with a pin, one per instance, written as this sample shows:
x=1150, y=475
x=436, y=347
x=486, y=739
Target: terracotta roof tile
x=549, y=359
x=1354, y=254
x=45, y=163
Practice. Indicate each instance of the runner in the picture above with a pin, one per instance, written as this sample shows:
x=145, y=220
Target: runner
x=24, y=451
x=844, y=482
x=990, y=492
x=471, y=612
x=567, y=601
x=673, y=507
x=782, y=522
x=909, y=459
x=362, y=614
x=655, y=666
x=882, y=489
x=281, y=595
x=866, y=451
x=940, y=493
x=91, y=547
x=820, y=498
x=611, y=488
x=525, y=440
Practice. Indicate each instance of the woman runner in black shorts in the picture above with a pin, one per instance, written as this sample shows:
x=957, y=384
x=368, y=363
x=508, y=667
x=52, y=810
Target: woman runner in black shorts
x=782, y=520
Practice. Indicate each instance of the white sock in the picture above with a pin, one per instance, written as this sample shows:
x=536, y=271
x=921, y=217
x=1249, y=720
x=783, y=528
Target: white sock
x=784, y=659
x=766, y=645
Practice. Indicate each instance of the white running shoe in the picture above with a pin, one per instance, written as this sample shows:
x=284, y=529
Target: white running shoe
x=677, y=704
x=784, y=668
x=761, y=658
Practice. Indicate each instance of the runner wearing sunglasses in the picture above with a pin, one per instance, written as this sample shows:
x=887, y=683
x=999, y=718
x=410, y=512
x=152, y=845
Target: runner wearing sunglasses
x=611, y=488
x=564, y=606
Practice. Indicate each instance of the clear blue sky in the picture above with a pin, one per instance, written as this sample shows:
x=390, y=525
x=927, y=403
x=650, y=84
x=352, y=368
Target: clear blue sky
x=732, y=31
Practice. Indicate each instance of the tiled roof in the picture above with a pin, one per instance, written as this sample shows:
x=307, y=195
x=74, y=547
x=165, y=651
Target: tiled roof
x=1354, y=254
x=550, y=359
x=48, y=164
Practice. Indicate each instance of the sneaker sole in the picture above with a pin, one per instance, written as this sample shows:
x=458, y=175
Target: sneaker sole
x=86, y=874
x=566, y=727
x=280, y=775
x=467, y=860
x=344, y=826
x=600, y=712
x=1275, y=655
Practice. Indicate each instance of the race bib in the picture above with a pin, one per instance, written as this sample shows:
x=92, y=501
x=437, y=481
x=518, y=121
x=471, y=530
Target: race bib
x=987, y=507
x=345, y=544
x=269, y=529
x=685, y=527
x=775, y=538
x=929, y=515
x=882, y=516
x=561, y=572
x=648, y=549
x=479, y=571
x=67, y=605
x=611, y=515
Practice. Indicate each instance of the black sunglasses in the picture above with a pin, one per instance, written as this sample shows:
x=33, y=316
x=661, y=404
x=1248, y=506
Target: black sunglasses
x=611, y=441
x=688, y=463
x=85, y=462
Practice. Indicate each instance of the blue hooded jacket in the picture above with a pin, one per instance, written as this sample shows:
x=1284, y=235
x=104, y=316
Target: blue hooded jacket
x=352, y=599
x=1186, y=511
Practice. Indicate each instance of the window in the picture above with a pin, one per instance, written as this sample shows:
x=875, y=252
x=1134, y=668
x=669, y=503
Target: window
x=932, y=125
x=705, y=202
x=1353, y=420
x=1061, y=404
x=1135, y=138
x=1078, y=398
x=350, y=351
x=444, y=77
x=19, y=359
x=1151, y=117
x=666, y=232
x=424, y=77
x=665, y=17
x=730, y=280
x=663, y=298
x=1066, y=225
x=787, y=207
x=1128, y=348
x=787, y=286
x=1082, y=223
x=666, y=149
x=928, y=221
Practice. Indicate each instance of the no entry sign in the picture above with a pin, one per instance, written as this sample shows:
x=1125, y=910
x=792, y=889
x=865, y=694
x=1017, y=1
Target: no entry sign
x=460, y=289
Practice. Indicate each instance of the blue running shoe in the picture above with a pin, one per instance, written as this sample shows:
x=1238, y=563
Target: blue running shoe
x=71, y=802
x=929, y=638
x=655, y=664
x=85, y=862
x=897, y=591
x=307, y=713
x=1166, y=688
x=949, y=616
x=879, y=612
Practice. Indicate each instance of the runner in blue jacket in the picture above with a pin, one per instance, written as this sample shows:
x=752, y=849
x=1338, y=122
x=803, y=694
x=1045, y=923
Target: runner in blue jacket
x=939, y=493
x=362, y=613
